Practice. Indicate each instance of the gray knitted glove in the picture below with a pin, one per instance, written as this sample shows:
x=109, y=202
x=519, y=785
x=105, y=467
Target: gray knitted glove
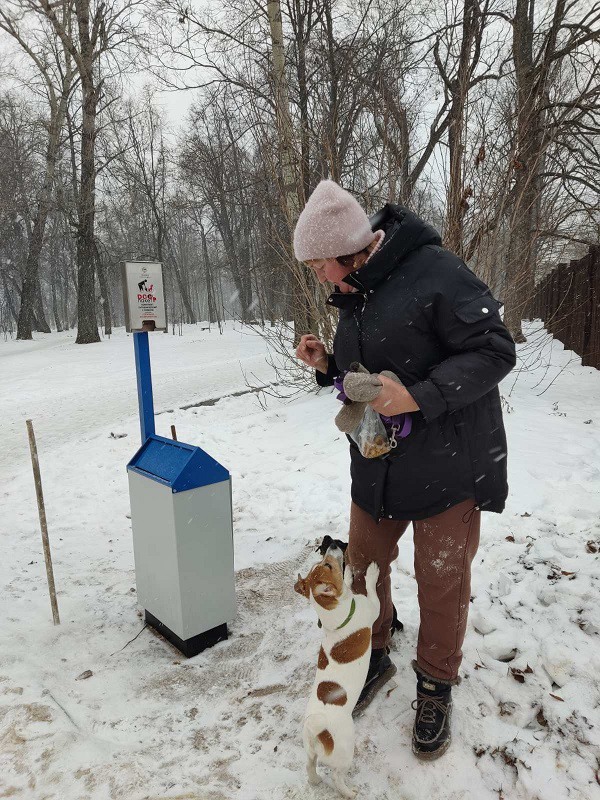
x=361, y=387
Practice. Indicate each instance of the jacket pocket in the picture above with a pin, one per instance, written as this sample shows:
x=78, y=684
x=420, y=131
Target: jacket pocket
x=479, y=308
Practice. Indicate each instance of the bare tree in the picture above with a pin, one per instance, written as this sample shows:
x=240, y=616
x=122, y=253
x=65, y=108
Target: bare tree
x=483, y=116
x=540, y=53
x=53, y=66
x=88, y=31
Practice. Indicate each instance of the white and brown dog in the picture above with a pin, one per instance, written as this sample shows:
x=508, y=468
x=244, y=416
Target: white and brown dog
x=346, y=620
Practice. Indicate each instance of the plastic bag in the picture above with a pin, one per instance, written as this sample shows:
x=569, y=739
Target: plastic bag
x=371, y=436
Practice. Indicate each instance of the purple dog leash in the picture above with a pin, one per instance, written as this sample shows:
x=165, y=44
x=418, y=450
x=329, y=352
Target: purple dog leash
x=339, y=385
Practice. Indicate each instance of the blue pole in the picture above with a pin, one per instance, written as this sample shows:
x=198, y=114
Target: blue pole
x=144, y=383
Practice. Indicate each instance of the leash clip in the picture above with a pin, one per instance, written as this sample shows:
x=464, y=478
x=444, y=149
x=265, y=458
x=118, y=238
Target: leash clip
x=393, y=442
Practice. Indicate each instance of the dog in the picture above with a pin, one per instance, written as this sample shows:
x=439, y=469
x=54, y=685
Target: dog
x=327, y=543
x=346, y=620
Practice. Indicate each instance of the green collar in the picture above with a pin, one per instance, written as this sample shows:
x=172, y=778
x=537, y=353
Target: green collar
x=348, y=618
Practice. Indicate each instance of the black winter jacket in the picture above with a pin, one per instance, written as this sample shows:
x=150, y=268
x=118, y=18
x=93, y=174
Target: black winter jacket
x=421, y=313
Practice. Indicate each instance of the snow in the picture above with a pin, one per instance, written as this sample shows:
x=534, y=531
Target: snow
x=226, y=725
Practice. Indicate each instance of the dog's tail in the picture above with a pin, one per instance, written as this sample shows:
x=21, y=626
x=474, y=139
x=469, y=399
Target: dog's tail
x=322, y=740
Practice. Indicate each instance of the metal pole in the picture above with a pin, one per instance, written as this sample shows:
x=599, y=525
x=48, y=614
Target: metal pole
x=43, y=524
x=144, y=383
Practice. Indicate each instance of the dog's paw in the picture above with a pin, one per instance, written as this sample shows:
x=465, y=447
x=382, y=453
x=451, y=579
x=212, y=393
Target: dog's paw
x=372, y=573
x=311, y=773
x=348, y=576
x=346, y=791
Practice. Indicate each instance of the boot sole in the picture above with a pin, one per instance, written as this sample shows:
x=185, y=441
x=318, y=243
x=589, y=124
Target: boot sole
x=374, y=688
x=423, y=755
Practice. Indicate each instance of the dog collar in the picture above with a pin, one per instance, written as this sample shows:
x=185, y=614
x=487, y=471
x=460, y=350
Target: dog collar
x=348, y=618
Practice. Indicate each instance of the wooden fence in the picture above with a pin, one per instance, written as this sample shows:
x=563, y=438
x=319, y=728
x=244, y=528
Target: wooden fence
x=568, y=302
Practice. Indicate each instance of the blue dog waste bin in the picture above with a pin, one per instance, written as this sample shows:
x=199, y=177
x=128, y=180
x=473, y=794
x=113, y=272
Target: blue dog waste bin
x=181, y=516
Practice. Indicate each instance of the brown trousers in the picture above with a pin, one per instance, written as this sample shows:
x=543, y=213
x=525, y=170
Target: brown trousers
x=445, y=546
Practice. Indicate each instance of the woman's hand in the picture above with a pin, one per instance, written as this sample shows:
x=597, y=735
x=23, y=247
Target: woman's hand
x=312, y=352
x=393, y=399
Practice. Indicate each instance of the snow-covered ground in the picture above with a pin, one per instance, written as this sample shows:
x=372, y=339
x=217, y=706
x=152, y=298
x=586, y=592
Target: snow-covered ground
x=226, y=725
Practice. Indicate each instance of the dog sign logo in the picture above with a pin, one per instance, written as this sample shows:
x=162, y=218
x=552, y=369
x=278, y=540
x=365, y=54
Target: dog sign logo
x=143, y=296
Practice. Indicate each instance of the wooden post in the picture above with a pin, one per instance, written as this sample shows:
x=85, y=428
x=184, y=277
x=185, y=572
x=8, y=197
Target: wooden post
x=173, y=433
x=42, y=512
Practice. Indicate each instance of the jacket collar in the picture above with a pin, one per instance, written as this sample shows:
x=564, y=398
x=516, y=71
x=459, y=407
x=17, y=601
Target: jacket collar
x=404, y=233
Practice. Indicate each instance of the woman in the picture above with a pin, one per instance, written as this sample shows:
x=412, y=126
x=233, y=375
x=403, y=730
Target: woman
x=408, y=305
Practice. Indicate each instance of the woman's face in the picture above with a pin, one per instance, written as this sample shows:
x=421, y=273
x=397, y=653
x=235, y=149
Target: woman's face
x=329, y=269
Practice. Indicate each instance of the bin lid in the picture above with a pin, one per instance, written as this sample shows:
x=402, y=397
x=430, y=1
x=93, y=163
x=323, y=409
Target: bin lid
x=176, y=464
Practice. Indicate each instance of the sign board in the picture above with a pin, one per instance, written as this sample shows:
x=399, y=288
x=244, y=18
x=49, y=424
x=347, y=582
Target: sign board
x=144, y=296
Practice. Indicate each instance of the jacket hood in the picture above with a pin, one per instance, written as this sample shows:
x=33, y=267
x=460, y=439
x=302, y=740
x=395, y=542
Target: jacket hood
x=404, y=232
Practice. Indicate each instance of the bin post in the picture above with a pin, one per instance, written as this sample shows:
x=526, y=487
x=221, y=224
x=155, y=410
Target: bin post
x=144, y=383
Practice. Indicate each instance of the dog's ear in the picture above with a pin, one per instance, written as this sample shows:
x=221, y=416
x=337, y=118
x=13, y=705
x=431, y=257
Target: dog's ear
x=301, y=586
x=325, y=545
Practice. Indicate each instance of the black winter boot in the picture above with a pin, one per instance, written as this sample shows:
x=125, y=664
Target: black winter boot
x=381, y=669
x=431, y=731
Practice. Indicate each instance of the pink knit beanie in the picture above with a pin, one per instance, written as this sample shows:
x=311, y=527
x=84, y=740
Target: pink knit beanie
x=331, y=224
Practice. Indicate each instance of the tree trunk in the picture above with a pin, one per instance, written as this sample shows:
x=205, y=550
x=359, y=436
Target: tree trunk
x=244, y=231
x=303, y=101
x=332, y=128
x=104, y=291
x=66, y=283
x=25, y=321
x=456, y=200
x=36, y=240
x=167, y=292
x=9, y=299
x=212, y=307
x=303, y=319
x=39, y=315
x=524, y=200
x=87, y=328
x=160, y=238
x=55, y=311
x=183, y=291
